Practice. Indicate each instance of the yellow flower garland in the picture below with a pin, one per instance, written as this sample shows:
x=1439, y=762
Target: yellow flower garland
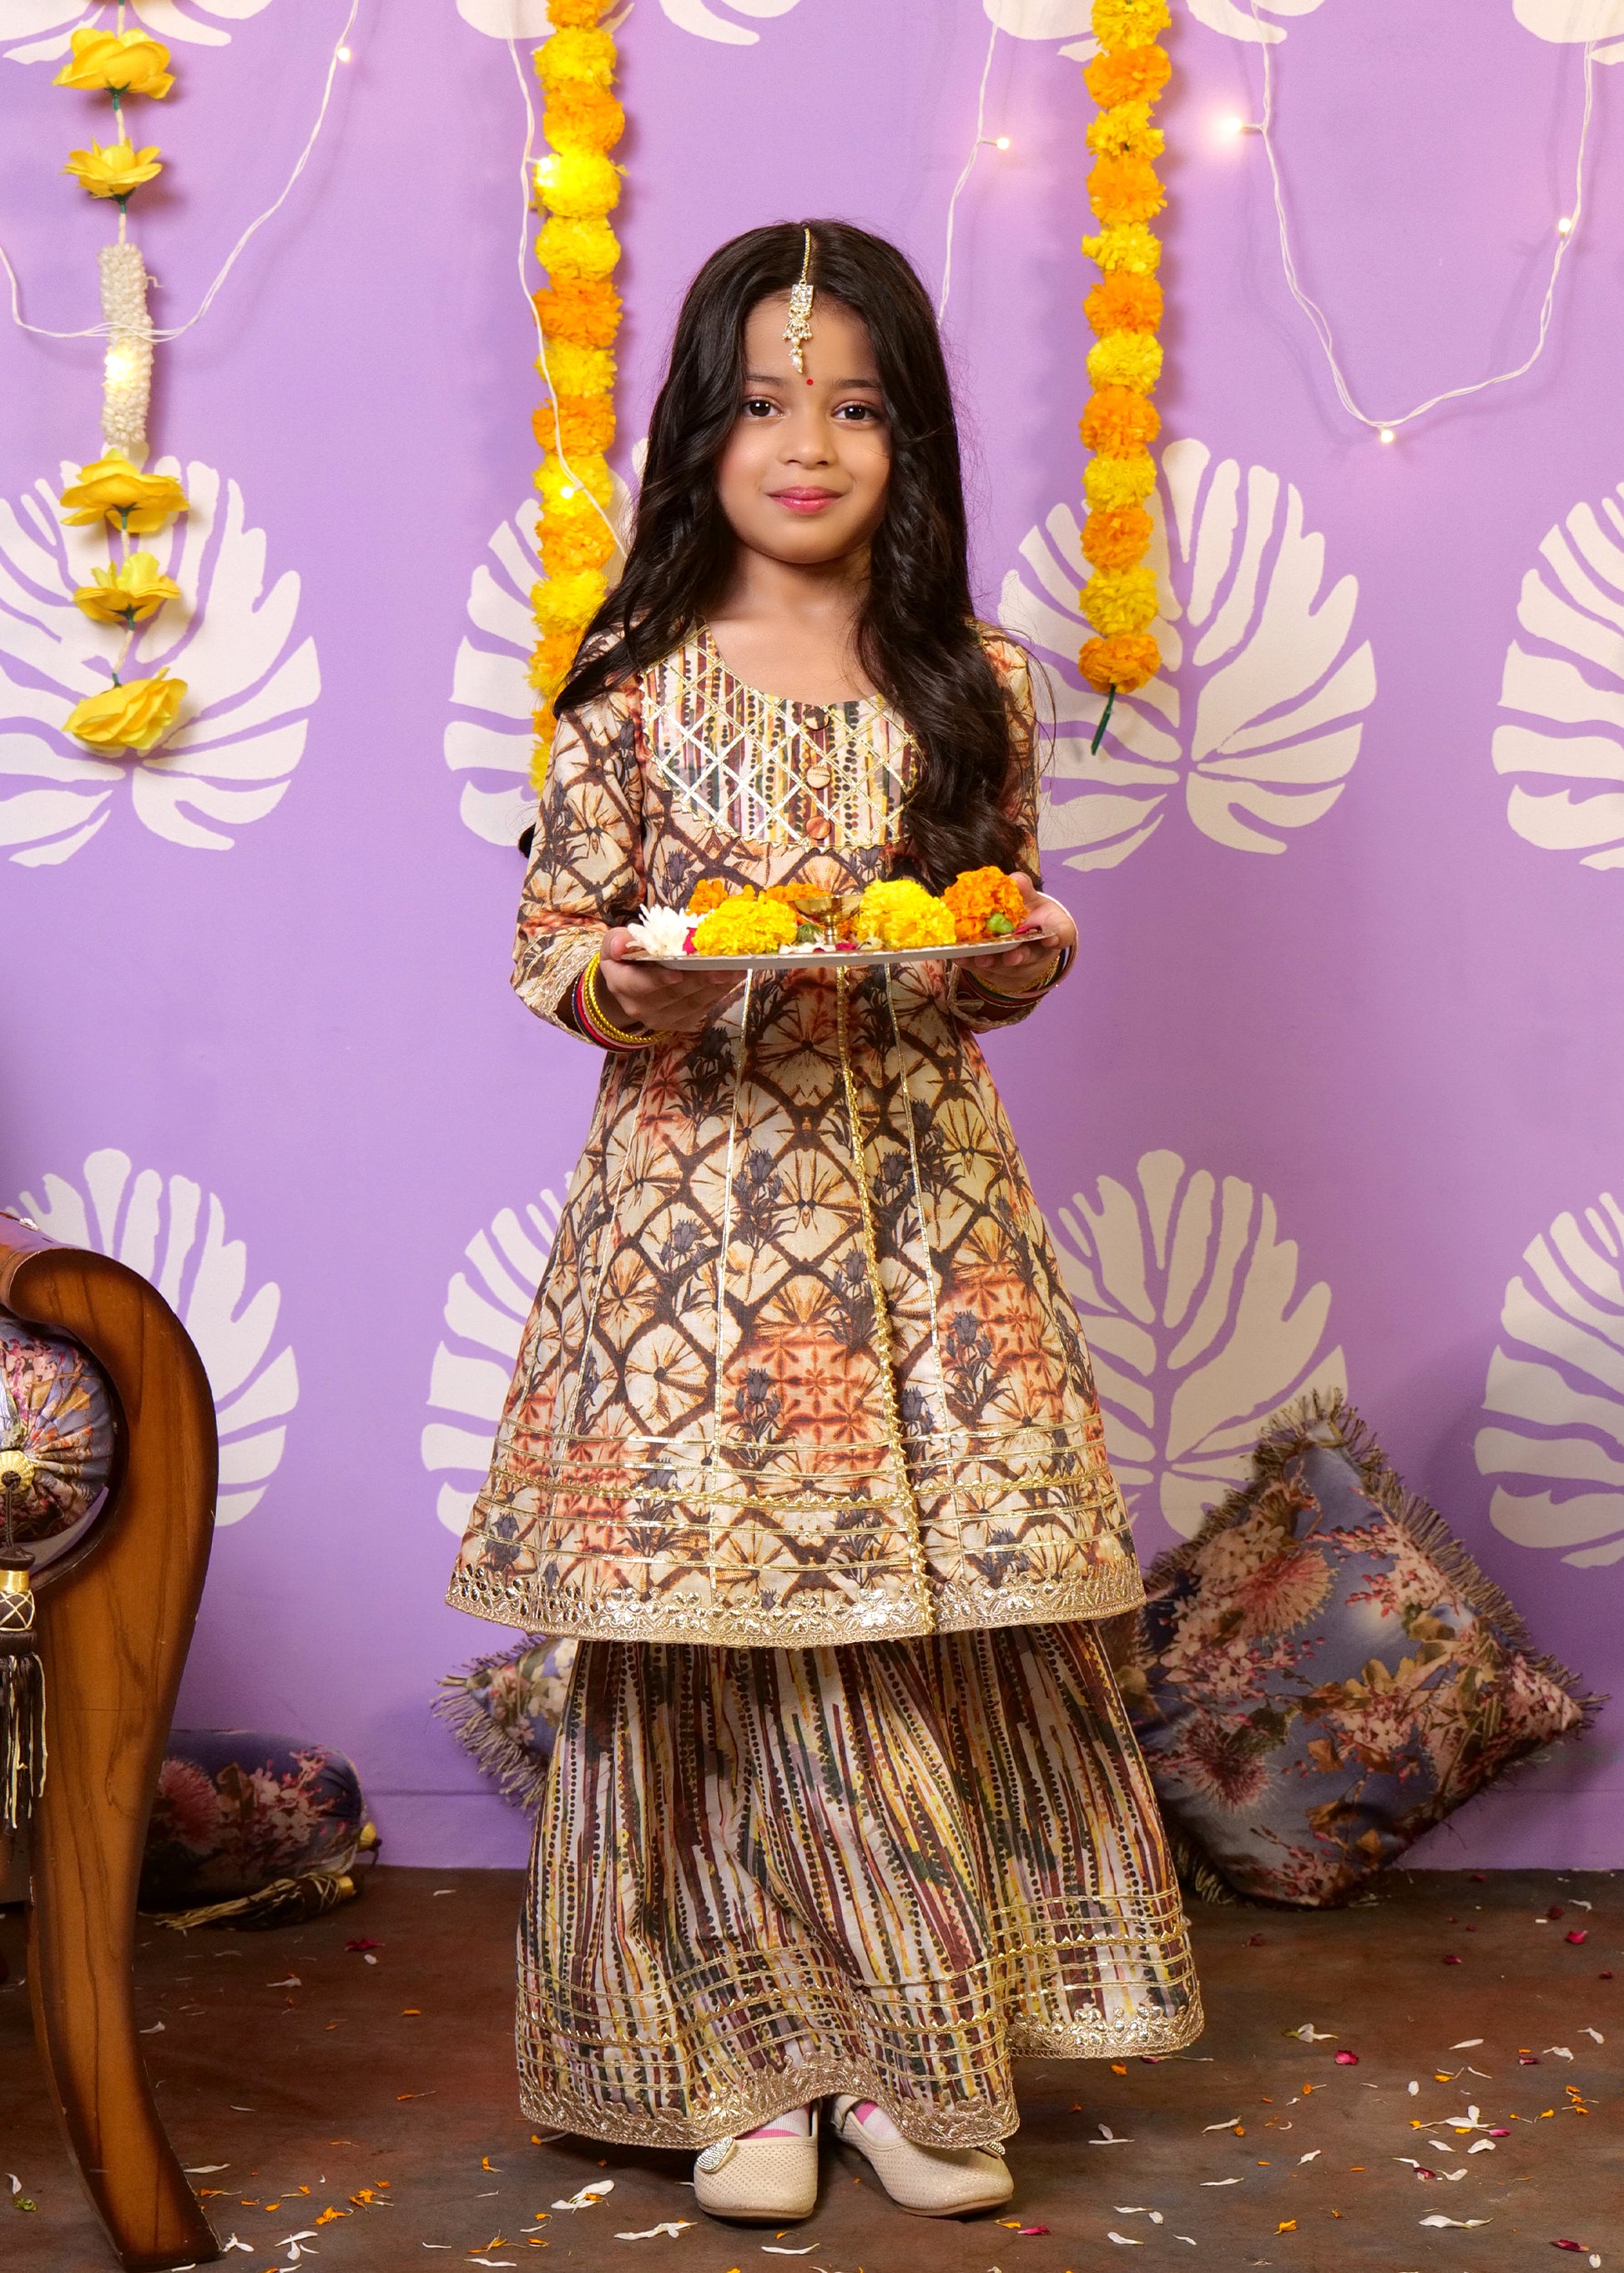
x=1124, y=309
x=578, y=185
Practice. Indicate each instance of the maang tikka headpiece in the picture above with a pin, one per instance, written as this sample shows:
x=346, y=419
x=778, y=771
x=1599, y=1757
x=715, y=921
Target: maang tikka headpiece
x=798, y=331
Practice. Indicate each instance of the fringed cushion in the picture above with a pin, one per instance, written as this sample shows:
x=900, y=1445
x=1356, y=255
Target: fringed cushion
x=56, y=1434
x=239, y=1813
x=1324, y=1673
x=506, y=1711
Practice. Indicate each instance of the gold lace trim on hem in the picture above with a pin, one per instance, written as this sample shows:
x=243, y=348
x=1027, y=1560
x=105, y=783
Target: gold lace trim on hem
x=789, y=2087
x=961, y=1606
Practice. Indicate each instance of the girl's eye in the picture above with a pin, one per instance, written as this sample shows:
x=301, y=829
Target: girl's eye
x=757, y=406
x=858, y=413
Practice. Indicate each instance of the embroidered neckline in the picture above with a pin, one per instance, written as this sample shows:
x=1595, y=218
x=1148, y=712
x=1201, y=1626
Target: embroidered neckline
x=711, y=658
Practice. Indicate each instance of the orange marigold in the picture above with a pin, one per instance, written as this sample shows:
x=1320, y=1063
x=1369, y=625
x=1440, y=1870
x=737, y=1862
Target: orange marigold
x=976, y=895
x=1122, y=302
x=581, y=116
x=550, y=664
x=1129, y=75
x=1119, y=423
x=587, y=314
x=587, y=420
x=567, y=546
x=1126, y=662
x=1117, y=540
x=579, y=15
x=710, y=891
x=1124, y=189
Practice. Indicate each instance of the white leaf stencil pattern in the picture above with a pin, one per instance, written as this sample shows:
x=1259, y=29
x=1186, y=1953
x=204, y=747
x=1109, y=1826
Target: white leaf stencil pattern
x=491, y=678
x=1256, y=712
x=1555, y=1393
x=194, y=21
x=485, y=1315
x=1188, y=1299
x=243, y=722
x=1571, y=22
x=154, y=1225
x=1234, y=17
x=1570, y=679
x=707, y=23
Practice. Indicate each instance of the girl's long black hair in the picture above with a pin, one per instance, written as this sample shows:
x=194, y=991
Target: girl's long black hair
x=917, y=638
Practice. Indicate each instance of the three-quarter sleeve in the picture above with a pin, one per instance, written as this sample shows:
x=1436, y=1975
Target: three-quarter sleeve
x=586, y=868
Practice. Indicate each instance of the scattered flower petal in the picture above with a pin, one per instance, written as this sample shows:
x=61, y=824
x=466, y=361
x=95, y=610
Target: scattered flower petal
x=1347, y=2060
x=1437, y=2218
x=678, y=2225
x=1126, y=2240
x=1581, y=1933
x=1466, y=2045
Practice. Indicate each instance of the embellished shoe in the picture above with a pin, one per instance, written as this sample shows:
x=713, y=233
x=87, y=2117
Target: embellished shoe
x=769, y=2181
x=930, y=2181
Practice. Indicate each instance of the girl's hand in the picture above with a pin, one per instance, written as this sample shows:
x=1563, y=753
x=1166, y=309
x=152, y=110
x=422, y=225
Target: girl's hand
x=1028, y=966
x=651, y=995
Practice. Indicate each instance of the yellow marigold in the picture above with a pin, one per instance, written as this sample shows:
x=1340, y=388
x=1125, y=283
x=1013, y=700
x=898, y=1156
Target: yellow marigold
x=569, y=545
x=576, y=247
x=1109, y=483
x=742, y=927
x=1129, y=23
x=111, y=487
x=577, y=14
x=1127, y=245
x=115, y=170
x=569, y=495
x=575, y=53
x=1125, y=131
x=1121, y=600
x=582, y=117
x=1130, y=359
x=710, y=891
x=587, y=420
x=134, y=716
x=1122, y=302
x=577, y=183
x=578, y=371
x=1126, y=662
x=565, y=604
x=899, y=912
x=1129, y=75
x=1119, y=423
x=132, y=62
x=1117, y=540
x=1124, y=189
x=587, y=315
x=128, y=594
x=977, y=897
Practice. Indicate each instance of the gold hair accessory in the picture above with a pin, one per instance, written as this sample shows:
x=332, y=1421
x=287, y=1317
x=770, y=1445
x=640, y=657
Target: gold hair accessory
x=798, y=331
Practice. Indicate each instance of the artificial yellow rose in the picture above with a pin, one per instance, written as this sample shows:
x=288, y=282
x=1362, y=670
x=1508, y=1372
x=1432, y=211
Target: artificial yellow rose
x=114, y=171
x=114, y=488
x=128, y=595
x=134, y=716
x=131, y=62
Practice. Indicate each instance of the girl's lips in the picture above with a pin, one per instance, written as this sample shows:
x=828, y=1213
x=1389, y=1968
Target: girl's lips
x=804, y=500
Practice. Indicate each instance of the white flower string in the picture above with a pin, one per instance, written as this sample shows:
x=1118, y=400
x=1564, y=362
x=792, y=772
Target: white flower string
x=340, y=55
x=982, y=138
x=1568, y=230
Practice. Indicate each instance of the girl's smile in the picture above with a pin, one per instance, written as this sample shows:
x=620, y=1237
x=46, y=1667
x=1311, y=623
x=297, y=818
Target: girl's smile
x=804, y=500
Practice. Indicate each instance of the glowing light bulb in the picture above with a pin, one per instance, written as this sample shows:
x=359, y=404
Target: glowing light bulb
x=123, y=363
x=1002, y=142
x=344, y=54
x=1232, y=125
x=1564, y=228
x=1386, y=435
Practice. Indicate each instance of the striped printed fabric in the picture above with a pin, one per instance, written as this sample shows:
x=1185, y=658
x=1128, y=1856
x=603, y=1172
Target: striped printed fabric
x=764, y=1875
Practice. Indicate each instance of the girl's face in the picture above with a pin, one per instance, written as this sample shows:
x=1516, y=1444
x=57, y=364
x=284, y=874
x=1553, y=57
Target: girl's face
x=802, y=477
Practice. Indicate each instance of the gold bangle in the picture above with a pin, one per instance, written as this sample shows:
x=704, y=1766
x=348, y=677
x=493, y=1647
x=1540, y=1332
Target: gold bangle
x=606, y=1024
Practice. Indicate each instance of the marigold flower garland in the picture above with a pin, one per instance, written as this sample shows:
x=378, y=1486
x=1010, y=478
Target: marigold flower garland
x=579, y=314
x=133, y=715
x=1124, y=311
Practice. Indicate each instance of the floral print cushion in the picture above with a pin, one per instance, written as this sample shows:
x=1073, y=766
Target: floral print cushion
x=56, y=1413
x=235, y=1809
x=506, y=1711
x=1324, y=1673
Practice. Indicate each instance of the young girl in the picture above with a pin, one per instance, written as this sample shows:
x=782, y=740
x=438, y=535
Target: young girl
x=803, y=1440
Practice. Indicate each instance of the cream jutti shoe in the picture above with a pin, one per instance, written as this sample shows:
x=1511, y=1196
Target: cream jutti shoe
x=766, y=2181
x=930, y=2181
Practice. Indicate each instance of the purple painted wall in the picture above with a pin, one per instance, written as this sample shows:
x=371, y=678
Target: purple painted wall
x=1337, y=1094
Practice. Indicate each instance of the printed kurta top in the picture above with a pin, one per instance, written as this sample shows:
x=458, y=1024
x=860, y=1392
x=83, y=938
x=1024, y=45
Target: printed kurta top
x=801, y=1369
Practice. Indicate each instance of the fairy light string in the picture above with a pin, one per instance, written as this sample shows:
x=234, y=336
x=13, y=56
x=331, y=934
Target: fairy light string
x=1120, y=600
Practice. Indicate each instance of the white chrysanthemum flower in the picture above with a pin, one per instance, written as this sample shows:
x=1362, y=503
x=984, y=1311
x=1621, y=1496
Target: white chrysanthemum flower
x=662, y=931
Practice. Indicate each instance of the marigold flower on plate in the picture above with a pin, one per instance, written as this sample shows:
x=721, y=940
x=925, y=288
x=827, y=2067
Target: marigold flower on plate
x=1125, y=131
x=1130, y=359
x=110, y=486
x=114, y=170
x=134, y=716
x=897, y=912
x=1128, y=75
x=579, y=117
x=1109, y=483
x=1119, y=422
x=1123, y=303
x=1117, y=540
x=1127, y=661
x=576, y=247
x=565, y=604
x=586, y=314
x=1124, y=189
x=976, y=897
x=745, y=927
x=575, y=53
x=578, y=371
x=578, y=183
x=1129, y=23
x=1121, y=600
x=131, y=62
x=136, y=591
x=1127, y=245
x=710, y=891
